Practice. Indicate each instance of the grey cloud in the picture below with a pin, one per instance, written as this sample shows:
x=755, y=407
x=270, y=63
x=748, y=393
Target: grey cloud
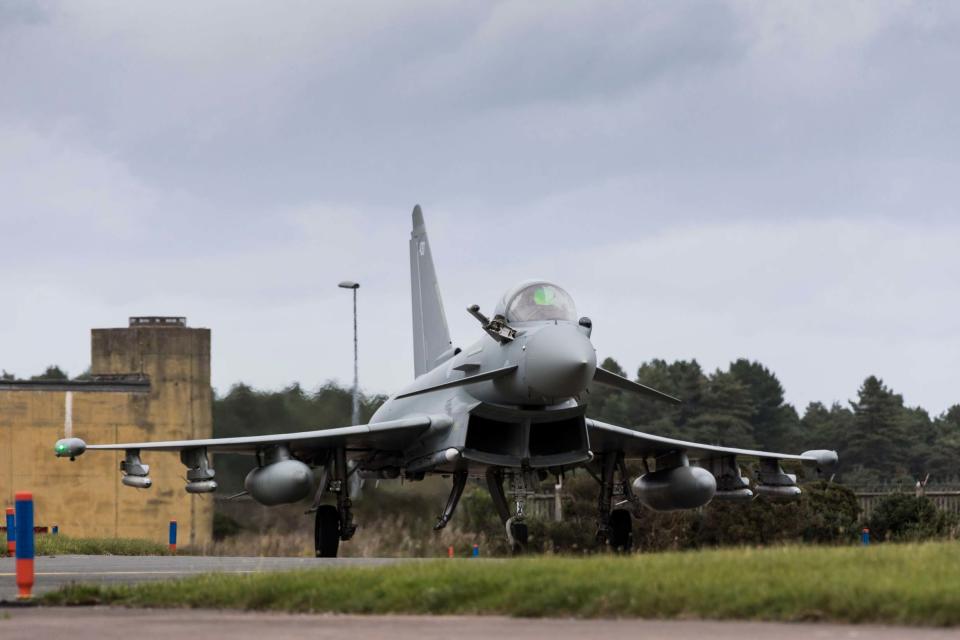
x=226, y=160
x=18, y=13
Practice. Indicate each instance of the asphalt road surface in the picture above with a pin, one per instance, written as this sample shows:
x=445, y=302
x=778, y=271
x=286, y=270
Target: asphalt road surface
x=52, y=572
x=102, y=623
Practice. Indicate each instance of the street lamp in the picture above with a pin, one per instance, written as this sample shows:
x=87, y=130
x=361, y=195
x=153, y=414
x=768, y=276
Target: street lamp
x=346, y=284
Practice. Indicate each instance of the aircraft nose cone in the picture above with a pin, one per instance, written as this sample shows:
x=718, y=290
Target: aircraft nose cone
x=559, y=361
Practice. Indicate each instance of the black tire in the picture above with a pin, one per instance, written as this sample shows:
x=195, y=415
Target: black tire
x=520, y=535
x=326, y=531
x=621, y=531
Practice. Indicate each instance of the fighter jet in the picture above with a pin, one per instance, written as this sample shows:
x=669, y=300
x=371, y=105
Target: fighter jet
x=510, y=408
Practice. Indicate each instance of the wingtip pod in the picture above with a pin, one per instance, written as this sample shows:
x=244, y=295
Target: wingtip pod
x=69, y=448
x=824, y=459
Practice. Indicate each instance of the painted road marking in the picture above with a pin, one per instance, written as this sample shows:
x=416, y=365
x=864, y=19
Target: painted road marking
x=132, y=573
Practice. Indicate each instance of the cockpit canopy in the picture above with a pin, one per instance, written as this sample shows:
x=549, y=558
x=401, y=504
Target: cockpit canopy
x=536, y=301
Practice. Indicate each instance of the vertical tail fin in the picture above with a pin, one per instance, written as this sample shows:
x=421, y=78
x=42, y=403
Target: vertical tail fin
x=431, y=337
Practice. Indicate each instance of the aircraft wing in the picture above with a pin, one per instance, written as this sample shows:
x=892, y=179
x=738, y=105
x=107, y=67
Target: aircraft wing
x=607, y=437
x=376, y=435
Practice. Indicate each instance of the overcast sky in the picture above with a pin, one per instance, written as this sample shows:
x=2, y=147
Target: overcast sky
x=712, y=180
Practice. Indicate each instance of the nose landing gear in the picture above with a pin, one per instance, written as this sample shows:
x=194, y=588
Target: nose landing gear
x=523, y=486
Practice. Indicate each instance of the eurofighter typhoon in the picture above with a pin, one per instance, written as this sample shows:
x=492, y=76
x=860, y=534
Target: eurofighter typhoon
x=510, y=408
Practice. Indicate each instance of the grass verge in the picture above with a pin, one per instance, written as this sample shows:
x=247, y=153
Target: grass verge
x=61, y=545
x=915, y=584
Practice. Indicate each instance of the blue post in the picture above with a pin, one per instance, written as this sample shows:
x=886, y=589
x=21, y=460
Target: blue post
x=865, y=536
x=173, y=536
x=24, y=525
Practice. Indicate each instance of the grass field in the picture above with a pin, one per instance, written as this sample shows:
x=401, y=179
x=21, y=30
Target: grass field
x=904, y=584
x=61, y=545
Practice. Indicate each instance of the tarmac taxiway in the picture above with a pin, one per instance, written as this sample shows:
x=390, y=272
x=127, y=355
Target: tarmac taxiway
x=102, y=623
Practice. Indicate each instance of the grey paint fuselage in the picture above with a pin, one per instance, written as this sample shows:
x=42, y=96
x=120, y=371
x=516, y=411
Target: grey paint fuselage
x=555, y=362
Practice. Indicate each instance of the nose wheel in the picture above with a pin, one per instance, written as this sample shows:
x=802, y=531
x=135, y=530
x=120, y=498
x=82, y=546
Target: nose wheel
x=517, y=535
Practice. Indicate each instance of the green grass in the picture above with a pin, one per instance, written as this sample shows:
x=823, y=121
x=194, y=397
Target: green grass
x=61, y=545
x=903, y=584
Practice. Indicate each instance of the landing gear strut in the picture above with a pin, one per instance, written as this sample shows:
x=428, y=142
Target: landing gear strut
x=459, y=482
x=495, y=486
x=344, y=504
x=614, y=527
x=608, y=464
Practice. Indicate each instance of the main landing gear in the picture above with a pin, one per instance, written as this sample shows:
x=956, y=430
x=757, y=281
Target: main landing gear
x=333, y=523
x=614, y=526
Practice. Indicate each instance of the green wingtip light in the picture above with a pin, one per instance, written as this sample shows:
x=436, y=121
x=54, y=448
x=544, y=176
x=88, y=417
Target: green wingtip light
x=69, y=447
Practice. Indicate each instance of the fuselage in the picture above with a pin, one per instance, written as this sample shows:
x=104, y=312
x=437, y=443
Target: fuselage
x=546, y=342
x=555, y=362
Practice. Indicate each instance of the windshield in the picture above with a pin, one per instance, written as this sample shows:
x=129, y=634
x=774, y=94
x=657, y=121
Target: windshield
x=541, y=301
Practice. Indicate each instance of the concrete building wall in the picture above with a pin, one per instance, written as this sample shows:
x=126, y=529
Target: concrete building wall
x=170, y=399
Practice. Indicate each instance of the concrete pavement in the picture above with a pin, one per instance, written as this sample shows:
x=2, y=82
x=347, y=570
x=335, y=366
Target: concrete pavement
x=102, y=623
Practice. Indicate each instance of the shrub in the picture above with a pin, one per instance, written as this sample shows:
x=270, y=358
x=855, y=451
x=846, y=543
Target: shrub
x=901, y=516
x=830, y=512
x=224, y=526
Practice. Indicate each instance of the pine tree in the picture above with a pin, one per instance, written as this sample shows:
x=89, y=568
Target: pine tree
x=725, y=415
x=776, y=425
x=53, y=372
x=879, y=439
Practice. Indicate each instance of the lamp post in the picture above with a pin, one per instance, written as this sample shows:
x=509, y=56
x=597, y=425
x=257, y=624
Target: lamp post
x=346, y=284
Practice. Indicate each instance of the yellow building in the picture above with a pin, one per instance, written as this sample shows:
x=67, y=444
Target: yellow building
x=150, y=381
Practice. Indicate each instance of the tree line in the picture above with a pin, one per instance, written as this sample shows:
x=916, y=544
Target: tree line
x=880, y=439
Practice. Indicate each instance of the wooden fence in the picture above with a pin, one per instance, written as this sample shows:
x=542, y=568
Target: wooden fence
x=945, y=500
x=545, y=505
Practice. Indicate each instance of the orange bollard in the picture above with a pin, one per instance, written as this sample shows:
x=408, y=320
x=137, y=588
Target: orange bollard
x=450, y=551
